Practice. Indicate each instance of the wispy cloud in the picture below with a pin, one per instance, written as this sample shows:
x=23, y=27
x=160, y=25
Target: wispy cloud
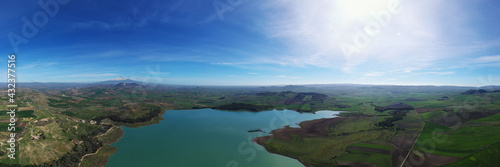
x=414, y=39
x=441, y=73
x=289, y=77
x=156, y=71
x=88, y=75
x=374, y=74
x=113, y=24
x=97, y=24
x=268, y=41
x=487, y=59
x=37, y=64
x=136, y=16
x=105, y=54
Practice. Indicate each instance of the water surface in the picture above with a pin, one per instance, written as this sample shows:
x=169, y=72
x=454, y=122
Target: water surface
x=207, y=138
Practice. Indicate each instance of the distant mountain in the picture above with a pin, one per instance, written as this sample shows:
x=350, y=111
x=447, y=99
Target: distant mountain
x=50, y=85
x=117, y=81
x=474, y=91
x=62, y=85
x=491, y=88
x=127, y=85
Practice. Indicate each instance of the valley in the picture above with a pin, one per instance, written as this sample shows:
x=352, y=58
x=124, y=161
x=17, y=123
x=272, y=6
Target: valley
x=378, y=125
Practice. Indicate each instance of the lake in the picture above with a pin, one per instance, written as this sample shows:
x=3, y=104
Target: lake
x=208, y=138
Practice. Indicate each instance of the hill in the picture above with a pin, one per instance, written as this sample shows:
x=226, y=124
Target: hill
x=117, y=81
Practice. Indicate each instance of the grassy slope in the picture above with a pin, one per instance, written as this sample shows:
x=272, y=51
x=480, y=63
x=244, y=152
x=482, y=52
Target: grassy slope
x=368, y=145
x=369, y=157
x=323, y=151
x=100, y=159
x=465, y=137
x=88, y=104
x=487, y=157
x=494, y=118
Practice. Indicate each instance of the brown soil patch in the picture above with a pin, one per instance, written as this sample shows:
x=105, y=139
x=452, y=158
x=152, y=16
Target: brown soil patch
x=405, y=139
x=374, y=150
x=313, y=128
x=453, y=119
x=429, y=160
x=25, y=108
x=401, y=145
x=360, y=164
x=424, y=110
x=398, y=156
x=409, y=124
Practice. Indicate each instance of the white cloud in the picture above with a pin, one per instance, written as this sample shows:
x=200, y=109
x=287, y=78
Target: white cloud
x=374, y=74
x=156, y=71
x=415, y=39
x=288, y=77
x=106, y=54
x=441, y=73
x=253, y=73
x=91, y=75
x=133, y=17
x=487, y=59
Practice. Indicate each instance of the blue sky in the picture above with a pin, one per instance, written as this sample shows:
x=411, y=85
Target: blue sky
x=194, y=42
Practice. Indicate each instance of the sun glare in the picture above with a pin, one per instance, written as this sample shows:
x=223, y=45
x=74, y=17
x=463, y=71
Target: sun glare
x=356, y=9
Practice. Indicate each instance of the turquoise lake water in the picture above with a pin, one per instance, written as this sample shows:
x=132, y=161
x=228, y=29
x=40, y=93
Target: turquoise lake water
x=207, y=138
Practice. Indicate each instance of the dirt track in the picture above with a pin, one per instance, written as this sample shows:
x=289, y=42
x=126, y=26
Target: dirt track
x=358, y=164
x=428, y=160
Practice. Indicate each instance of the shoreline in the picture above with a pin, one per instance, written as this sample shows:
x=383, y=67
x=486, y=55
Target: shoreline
x=155, y=120
x=81, y=160
x=310, y=128
x=159, y=118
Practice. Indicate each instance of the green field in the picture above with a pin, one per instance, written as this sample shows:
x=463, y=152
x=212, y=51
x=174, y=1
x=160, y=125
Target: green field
x=369, y=157
x=60, y=119
x=440, y=140
x=323, y=151
x=487, y=157
x=489, y=119
x=378, y=146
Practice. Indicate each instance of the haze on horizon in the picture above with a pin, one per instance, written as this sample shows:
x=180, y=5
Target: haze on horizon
x=283, y=42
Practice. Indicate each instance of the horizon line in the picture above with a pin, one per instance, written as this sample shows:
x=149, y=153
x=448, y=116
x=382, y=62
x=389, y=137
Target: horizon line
x=269, y=85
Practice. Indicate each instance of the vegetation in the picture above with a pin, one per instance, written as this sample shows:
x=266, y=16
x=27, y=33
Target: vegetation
x=368, y=157
x=326, y=151
x=460, y=123
x=100, y=158
x=377, y=146
x=395, y=106
x=396, y=116
x=145, y=113
x=489, y=156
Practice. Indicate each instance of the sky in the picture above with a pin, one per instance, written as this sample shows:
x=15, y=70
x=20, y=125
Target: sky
x=254, y=42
